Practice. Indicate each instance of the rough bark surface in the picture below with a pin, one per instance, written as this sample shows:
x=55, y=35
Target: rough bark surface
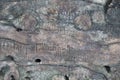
x=59, y=40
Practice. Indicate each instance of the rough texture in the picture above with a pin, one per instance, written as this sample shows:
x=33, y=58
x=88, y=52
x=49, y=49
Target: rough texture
x=59, y=40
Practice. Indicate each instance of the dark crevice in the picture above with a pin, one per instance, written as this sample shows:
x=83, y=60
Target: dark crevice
x=27, y=78
x=18, y=29
x=108, y=69
x=106, y=7
x=37, y=60
x=9, y=58
x=4, y=70
x=12, y=77
x=66, y=77
x=9, y=23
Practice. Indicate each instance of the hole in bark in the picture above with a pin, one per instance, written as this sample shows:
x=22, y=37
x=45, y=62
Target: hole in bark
x=37, y=60
x=12, y=77
x=27, y=78
x=18, y=29
x=9, y=57
x=66, y=77
x=108, y=69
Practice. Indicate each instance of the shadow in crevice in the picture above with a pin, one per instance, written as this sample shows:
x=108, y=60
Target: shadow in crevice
x=4, y=69
x=108, y=68
x=66, y=77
